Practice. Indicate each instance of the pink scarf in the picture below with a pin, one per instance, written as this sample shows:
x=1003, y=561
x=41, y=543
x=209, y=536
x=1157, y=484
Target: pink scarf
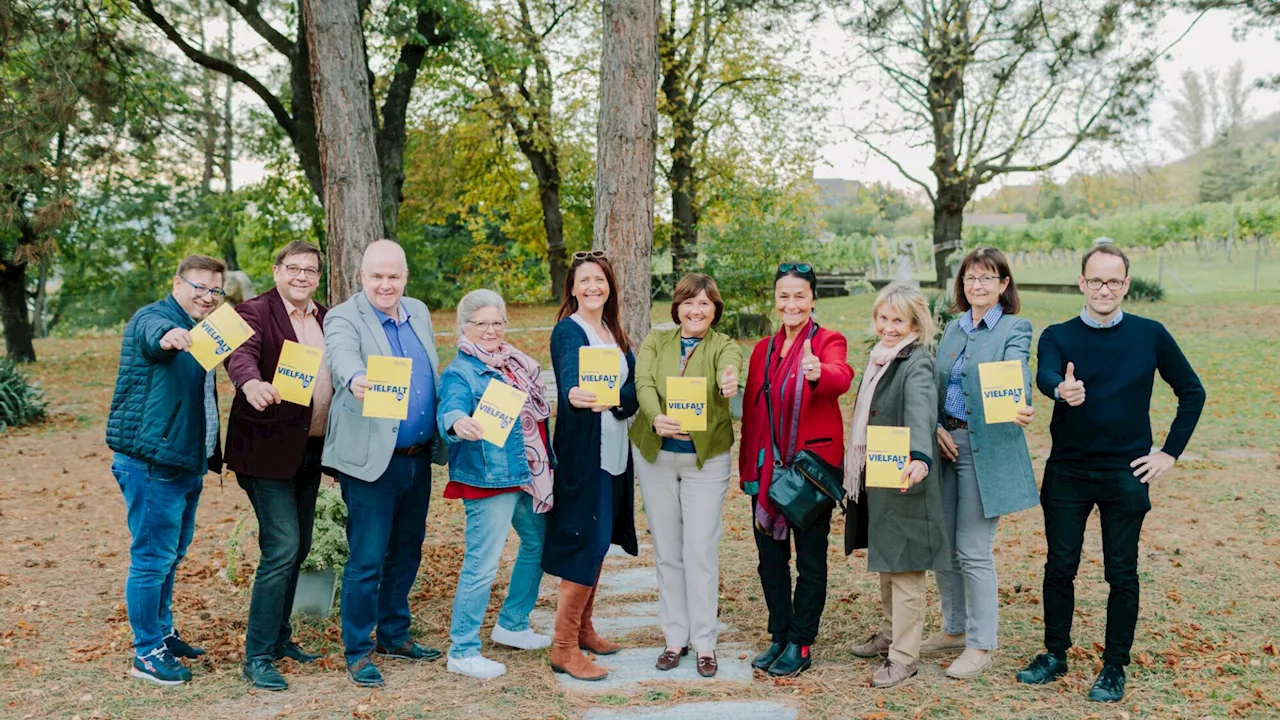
x=527, y=376
x=855, y=453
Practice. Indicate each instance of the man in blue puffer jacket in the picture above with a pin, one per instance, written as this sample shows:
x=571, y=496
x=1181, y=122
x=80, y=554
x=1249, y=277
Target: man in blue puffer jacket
x=163, y=428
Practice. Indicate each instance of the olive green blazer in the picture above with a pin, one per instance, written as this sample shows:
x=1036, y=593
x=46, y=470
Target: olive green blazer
x=905, y=531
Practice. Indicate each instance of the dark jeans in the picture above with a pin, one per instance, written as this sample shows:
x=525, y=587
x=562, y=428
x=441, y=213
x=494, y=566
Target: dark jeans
x=286, y=510
x=386, y=524
x=160, y=504
x=794, y=620
x=1067, y=498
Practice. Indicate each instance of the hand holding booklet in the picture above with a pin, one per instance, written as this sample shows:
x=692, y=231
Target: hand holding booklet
x=687, y=402
x=296, y=372
x=499, y=411
x=388, y=393
x=218, y=335
x=600, y=372
x=1003, y=393
x=888, y=452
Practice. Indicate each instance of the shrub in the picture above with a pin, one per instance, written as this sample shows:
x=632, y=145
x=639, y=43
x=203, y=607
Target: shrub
x=1141, y=288
x=329, y=548
x=21, y=401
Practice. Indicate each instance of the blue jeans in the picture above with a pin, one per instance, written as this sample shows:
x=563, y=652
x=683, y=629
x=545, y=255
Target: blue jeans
x=488, y=523
x=386, y=524
x=969, y=590
x=161, y=509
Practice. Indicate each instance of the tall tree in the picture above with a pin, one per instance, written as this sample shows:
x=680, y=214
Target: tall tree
x=345, y=134
x=1190, y=114
x=999, y=88
x=294, y=108
x=625, y=152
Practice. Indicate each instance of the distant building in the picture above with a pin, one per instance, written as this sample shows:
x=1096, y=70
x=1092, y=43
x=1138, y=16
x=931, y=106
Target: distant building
x=834, y=191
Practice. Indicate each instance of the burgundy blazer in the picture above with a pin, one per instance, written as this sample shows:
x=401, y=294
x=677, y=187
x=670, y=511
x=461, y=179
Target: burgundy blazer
x=268, y=444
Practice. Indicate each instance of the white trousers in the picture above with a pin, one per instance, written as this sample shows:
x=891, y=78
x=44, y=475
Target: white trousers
x=683, y=504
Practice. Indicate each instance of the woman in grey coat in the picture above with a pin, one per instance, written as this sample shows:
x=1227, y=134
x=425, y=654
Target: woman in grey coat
x=986, y=471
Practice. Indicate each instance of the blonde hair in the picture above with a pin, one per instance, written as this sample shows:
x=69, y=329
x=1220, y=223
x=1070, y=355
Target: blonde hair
x=909, y=302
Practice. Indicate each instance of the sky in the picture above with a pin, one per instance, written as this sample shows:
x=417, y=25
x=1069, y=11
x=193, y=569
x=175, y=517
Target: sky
x=1209, y=45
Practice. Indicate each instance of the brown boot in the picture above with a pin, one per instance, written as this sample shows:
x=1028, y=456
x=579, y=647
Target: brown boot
x=565, y=655
x=588, y=638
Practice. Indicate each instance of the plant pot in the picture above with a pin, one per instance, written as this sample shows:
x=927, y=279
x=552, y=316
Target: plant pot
x=315, y=593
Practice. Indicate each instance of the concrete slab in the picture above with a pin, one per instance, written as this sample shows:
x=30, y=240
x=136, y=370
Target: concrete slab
x=722, y=710
x=632, y=667
x=614, y=620
x=628, y=581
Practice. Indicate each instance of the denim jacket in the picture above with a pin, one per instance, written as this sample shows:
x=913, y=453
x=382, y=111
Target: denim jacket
x=477, y=463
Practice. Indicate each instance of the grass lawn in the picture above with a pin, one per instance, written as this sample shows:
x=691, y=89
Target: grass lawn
x=1206, y=646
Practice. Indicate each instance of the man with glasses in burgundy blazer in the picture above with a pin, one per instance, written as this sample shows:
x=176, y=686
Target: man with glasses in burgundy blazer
x=274, y=447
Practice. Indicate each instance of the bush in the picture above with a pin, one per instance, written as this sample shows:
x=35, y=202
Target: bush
x=1141, y=288
x=329, y=548
x=21, y=402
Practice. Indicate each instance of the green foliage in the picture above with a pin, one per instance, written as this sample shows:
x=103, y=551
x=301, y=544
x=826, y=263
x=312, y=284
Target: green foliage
x=1141, y=288
x=871, y=210
x=329, y=548
x=21, y=401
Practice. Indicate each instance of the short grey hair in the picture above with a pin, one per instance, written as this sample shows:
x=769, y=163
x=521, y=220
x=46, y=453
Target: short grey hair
x=477, y=300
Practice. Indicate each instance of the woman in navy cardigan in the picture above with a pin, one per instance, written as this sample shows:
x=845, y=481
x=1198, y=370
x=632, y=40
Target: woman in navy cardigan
x=594, y=490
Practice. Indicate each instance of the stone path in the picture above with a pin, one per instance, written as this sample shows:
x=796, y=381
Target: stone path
x=731, y=710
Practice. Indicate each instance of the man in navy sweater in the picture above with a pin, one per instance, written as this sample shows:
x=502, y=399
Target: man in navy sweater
x=1102, y=456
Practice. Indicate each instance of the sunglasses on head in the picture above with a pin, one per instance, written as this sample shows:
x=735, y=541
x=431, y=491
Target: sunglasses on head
x=589, y=254
x=798, y=267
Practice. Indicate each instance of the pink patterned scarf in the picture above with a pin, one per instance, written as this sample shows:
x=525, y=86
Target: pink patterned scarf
x=855, y=452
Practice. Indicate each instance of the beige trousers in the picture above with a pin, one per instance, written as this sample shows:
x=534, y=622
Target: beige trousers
x=682, y=504
x=902, y=596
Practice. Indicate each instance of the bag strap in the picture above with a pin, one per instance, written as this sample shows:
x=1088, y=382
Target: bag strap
x=768, y=402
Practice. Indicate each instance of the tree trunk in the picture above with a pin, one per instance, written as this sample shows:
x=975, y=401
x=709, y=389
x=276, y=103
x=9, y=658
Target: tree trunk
x=626, y=142
x=39, y=329
x=684, y=211
x=345, y=135
x=303, y=107
x=948, y=223
x=13, y=305
x=228, y=229
x=553, y=223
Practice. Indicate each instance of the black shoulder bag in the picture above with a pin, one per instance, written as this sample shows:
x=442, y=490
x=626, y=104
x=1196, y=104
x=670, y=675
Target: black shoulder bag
x=808, y=487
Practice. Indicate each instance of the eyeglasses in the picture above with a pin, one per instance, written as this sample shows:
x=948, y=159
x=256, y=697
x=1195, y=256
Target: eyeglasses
x=589, y=255
x=798, y=267
x=202, y=291
x=985, y=280
x=1096, y=284
x=295, y=270
x=497, y=326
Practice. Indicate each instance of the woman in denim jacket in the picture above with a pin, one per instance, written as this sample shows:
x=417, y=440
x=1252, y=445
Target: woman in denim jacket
x=501, y=487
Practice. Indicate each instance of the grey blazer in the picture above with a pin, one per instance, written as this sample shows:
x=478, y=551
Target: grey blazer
x=1006, y=481
x=356, y=445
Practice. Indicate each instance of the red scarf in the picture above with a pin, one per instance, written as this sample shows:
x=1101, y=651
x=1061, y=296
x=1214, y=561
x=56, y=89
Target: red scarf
x=782, y=382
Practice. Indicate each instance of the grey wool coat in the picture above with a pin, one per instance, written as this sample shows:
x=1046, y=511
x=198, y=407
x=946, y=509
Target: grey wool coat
x=1006, y=481
x=904, y=531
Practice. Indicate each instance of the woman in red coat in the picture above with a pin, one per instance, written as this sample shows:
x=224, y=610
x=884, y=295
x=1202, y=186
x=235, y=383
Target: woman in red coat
x=808, y=370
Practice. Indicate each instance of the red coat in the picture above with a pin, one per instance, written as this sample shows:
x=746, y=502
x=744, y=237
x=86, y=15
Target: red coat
x=821, y=422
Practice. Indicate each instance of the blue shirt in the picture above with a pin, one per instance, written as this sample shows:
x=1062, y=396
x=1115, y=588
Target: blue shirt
x=1088, y=319
x=954, y=404
x=420, y=425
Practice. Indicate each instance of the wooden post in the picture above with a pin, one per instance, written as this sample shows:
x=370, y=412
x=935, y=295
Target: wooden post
x=345, y=134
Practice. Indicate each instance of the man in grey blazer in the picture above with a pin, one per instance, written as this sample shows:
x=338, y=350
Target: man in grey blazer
x=384, y=466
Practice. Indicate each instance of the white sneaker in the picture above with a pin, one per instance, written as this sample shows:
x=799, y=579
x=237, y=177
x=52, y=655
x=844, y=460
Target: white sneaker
x=526, y=639
x=476, y=666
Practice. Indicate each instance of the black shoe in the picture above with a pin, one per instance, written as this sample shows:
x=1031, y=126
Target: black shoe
x=766, y=658
x=263, y=675
x=364, y=673
x=410, y=650
x=1109, y=687
x=793, y=661
x=291, y=650
x=1043, y=670
x=179, y=647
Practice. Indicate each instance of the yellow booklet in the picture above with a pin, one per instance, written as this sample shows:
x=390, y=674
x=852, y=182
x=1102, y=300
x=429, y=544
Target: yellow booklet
x=599, y=372
x=388, y=396
x=218, y=335
x=687, y=402
x=499, y=411
x=888, y=452
x=295, y=378
x=1003, y=393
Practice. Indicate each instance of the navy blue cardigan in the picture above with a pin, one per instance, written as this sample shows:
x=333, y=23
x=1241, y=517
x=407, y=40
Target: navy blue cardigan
x=571, y=522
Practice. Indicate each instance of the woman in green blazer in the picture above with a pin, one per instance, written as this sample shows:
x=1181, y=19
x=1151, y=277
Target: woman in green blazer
x=684, y=476
x=986, y=470
x=902, y=528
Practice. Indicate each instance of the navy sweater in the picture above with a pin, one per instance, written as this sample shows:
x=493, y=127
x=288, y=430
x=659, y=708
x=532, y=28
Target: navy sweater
x=1117, y=365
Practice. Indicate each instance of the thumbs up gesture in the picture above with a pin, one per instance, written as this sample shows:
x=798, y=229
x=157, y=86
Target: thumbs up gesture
x=729, y=382
x=1071, y=390
x=810, y=364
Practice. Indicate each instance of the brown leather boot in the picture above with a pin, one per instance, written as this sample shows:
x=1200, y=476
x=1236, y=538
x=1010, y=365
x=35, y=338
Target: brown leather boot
x=565, y=655
x=588, y=638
